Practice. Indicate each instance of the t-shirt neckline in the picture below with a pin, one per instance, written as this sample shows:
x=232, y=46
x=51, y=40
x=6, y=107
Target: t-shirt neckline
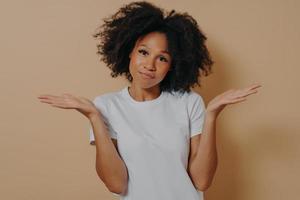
x=147, y=102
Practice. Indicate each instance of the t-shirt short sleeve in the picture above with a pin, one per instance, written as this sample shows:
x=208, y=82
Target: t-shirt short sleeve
x=102, y=107
x=196, y=111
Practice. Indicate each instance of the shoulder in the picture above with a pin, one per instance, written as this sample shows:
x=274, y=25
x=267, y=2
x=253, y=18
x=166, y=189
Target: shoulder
x=194, y=101
x=188, y=97
x=194, y=97
x=106, y=99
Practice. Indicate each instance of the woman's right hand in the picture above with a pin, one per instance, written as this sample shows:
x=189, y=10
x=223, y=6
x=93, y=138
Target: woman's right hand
x=68, y=101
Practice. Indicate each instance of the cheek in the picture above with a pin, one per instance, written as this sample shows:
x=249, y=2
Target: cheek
x=139, y=62
x=134, y=64
x=136, y=60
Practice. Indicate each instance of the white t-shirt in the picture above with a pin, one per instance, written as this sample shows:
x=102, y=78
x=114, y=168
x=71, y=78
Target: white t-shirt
x=153, y=141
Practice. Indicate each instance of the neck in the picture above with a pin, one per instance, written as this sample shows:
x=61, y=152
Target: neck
x=144, y=94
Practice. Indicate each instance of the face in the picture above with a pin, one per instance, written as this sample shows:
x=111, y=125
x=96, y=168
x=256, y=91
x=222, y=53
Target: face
x=149, y=60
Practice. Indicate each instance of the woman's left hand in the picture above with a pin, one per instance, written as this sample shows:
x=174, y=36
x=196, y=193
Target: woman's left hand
x=217, y=104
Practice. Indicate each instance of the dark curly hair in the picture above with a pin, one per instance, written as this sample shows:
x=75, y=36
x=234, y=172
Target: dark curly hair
x=186, y=43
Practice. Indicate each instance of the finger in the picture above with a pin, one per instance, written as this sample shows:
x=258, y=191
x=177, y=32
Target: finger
x=58, y=106
x=238, y=100
x=43, y=97
x=248, y=93
x=46, y=101
x=254, y=86
x=63, y=105
x=52, y=101
x=250, y=88
x=48, y=97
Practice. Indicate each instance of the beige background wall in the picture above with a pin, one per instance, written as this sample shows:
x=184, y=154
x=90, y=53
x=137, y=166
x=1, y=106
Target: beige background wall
x=46, y=47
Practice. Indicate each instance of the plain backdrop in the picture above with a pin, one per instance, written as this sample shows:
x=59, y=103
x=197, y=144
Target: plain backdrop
x=47, y=47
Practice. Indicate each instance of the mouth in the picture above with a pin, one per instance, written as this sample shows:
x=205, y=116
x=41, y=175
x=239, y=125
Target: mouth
x=146, y=75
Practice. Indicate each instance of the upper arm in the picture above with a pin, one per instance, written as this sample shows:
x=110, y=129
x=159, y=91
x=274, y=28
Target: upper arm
x=196, y=113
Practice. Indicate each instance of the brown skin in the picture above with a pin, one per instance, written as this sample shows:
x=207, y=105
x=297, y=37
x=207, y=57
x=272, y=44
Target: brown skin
x=110, y=168
x=149, y=56
x=203, y=159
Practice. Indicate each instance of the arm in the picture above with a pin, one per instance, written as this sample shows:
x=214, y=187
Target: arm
x=109, y=166
x=203, y=163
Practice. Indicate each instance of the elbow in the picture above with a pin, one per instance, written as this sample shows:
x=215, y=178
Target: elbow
x=203, y=186
x=118, y=189
x=115, y=182
x=118, y=186
x=201, y=183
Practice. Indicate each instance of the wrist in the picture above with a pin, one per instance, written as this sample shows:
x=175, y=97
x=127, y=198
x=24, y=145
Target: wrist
x=94, y=116
x=210, y=116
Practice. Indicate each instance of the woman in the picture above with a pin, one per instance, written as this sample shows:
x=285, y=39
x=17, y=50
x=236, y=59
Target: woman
x=154, y=139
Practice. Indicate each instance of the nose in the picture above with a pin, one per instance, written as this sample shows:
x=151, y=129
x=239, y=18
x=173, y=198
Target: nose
x=150, y=64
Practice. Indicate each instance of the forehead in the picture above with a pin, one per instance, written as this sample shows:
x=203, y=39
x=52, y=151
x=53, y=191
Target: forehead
x=155, y=40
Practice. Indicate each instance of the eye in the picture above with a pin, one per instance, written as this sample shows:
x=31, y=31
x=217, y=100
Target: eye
x=165, y=60
x=142, y=51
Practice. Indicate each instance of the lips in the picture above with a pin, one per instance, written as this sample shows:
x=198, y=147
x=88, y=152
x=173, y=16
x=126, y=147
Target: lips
x=147, y=74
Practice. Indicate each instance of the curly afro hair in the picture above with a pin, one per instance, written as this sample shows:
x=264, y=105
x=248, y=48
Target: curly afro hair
x=186, y=43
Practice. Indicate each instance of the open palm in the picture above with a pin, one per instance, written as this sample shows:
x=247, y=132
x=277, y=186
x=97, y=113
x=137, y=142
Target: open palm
x=232, y=96
x=68, y=101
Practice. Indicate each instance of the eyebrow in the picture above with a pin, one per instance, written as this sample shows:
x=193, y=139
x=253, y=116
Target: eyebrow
x=165, y=51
